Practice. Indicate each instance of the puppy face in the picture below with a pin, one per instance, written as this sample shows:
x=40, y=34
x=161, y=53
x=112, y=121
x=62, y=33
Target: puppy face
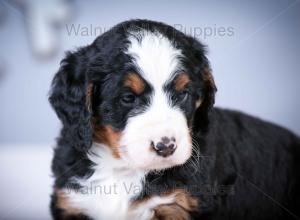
x=149, y=106
x=143, y=88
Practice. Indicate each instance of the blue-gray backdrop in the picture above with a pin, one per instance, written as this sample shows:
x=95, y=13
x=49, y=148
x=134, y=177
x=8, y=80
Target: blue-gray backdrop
x=253, y=46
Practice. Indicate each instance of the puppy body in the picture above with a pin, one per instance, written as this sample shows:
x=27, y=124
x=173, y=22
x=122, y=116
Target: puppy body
x=141, y=140
x=247, y=169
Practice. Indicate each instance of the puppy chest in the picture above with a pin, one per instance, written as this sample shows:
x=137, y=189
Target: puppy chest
x=107, y=198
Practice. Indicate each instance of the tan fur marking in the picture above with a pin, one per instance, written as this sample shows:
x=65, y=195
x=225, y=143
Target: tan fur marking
x=184, y=200
x=209, y=79
x=134, y=82
x=64, y=204
x=177, y=210
x=181, y=81
x=106, y=135
x=170, y=212
x=180, y=209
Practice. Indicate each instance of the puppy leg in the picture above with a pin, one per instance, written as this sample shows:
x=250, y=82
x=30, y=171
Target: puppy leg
x=61, y=209
x=176, y=205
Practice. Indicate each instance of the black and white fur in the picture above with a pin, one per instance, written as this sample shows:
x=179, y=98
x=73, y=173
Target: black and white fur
x=254, y=161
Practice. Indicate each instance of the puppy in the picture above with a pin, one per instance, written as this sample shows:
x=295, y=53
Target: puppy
x=141, y=139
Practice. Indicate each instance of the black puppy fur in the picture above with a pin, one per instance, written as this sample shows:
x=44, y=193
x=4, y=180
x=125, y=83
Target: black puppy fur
x=247, y=168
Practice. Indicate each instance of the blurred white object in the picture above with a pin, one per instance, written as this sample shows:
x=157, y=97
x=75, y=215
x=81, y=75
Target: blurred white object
x=43, y=20
x=42, y=17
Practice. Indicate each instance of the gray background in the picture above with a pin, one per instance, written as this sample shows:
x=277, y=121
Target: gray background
x=256, y=70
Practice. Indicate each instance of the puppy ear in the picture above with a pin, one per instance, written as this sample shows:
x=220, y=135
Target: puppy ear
x=208, y=87
x=207, y=101
x=68, y=96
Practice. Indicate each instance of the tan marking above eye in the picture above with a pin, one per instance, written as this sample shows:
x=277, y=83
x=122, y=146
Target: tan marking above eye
x=135, y=83
x=181, y=81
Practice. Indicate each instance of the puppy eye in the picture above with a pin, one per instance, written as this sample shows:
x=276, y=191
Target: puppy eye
x=128, y=98
x=183, y=95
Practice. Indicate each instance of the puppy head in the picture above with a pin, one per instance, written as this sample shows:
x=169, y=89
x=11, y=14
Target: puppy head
x=135, y=90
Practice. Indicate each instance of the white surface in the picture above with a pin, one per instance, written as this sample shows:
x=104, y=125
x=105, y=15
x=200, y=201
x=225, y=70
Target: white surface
x=25, y=181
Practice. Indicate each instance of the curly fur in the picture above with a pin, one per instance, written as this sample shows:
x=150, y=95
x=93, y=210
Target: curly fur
x=241, y=167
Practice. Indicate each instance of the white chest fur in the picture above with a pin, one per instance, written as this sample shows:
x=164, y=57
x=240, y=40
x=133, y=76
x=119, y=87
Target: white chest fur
x=108, y=192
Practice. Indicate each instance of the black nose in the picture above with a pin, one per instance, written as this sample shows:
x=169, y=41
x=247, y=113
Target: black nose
x=164, y=148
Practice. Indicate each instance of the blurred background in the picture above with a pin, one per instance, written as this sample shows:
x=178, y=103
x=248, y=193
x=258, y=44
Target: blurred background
x=253, y=46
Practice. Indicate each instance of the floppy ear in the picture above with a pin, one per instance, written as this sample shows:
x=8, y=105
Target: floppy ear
x=68, y=97
x=208, y=87
x=207, y=102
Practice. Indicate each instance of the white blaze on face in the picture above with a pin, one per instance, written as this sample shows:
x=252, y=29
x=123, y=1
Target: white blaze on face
x=157, y=59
